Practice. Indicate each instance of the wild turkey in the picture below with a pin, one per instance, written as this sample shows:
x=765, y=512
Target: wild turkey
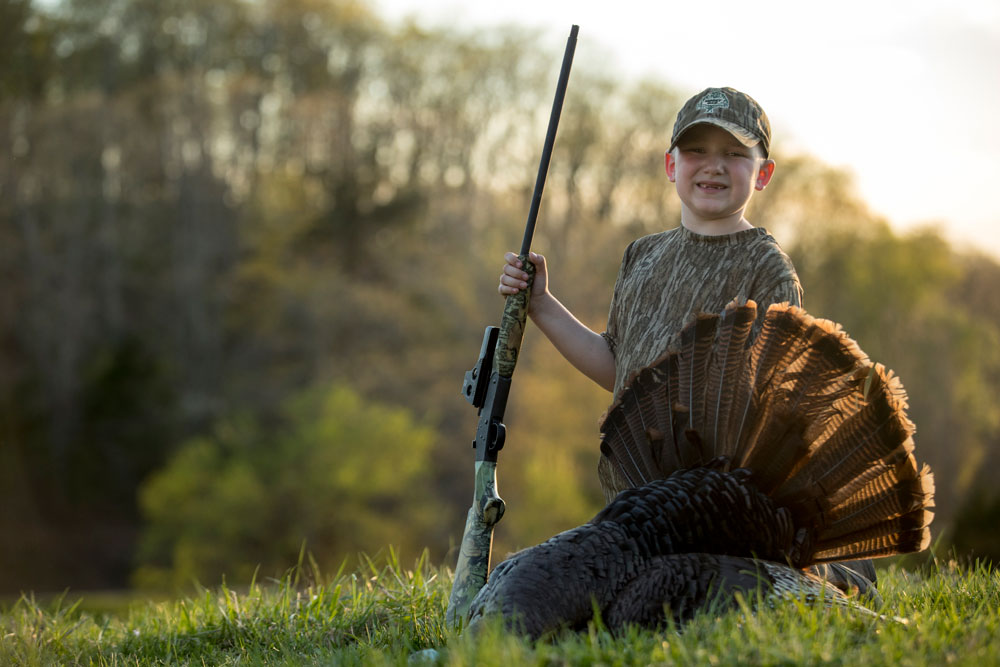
x=750, y=463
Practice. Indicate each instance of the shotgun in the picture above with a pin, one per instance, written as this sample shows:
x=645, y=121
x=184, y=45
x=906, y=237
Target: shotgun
x=487, y=387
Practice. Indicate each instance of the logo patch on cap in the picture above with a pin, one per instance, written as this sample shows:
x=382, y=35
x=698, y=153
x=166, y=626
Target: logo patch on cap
x=713, y=102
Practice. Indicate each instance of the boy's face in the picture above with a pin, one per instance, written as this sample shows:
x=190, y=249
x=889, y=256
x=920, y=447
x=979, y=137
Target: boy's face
x=715, y=174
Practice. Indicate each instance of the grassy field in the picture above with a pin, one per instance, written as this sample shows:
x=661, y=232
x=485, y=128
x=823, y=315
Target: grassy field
x=384, y=613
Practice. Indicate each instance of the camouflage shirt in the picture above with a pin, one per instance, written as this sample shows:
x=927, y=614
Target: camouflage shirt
x=667, y=277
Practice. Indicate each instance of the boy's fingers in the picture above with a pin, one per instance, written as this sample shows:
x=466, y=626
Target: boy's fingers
x=516, y=280
x=512, y=278
x=518, y=276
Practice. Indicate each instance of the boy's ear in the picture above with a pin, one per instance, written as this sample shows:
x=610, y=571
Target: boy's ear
x=764, y=174
x=671, y=166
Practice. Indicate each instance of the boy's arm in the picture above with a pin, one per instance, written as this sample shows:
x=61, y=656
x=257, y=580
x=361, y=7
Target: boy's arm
x=585, y=349
x=582, y=347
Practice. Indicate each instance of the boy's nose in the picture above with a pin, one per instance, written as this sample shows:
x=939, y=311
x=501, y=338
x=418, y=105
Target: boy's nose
x=715, y=164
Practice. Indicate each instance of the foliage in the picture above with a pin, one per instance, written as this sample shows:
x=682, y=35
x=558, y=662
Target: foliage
x=383, y=613
x=337, y=473
x=975, y=527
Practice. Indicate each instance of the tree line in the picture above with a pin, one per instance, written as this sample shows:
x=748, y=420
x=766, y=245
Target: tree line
x=249, y=248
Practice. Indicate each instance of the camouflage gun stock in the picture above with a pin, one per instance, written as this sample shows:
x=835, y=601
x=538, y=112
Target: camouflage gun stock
x=487, y=387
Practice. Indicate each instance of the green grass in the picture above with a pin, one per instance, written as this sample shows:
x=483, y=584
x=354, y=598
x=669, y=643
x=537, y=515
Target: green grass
x=383, y=613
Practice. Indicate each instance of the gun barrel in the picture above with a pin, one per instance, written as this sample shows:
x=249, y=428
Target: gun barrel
x=550, y=139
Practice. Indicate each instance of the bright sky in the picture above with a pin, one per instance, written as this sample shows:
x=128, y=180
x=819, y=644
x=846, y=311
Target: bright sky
x=903, y=93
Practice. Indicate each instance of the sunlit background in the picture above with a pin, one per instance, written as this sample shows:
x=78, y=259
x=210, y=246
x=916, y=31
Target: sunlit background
x=904, y=96
x=248, y=249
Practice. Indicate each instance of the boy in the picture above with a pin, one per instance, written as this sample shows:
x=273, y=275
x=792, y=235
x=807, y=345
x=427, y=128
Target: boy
x=718, y=157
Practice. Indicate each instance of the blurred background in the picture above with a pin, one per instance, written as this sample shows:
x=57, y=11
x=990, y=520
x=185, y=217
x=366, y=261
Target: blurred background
x=248, y=250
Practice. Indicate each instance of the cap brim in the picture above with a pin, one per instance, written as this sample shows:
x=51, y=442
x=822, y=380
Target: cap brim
x=741, y=135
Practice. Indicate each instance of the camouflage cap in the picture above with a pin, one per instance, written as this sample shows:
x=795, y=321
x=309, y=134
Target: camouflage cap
x=736, y=112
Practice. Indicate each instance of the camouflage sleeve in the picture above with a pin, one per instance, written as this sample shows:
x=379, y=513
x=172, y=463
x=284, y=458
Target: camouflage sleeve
x=788, y=291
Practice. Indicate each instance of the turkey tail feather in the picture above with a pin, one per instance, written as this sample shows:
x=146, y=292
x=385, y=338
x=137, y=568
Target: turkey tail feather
x=697, y=340
x=728, y=365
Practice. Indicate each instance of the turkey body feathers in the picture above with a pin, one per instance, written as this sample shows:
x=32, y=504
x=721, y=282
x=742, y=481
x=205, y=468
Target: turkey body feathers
x=556, y=583
x=679, y=543
x=679, y=586
x=748, y=463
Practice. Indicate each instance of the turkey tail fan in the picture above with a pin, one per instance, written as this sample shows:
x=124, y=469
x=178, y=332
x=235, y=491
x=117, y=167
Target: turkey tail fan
x=822, y=429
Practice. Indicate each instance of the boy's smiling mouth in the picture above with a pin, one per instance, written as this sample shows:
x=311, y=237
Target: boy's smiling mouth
x=710, y=185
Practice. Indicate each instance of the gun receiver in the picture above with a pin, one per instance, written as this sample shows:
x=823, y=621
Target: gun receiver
x=487, y=390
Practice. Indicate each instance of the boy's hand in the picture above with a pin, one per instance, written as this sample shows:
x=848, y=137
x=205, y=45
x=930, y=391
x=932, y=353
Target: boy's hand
x=513, y=279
